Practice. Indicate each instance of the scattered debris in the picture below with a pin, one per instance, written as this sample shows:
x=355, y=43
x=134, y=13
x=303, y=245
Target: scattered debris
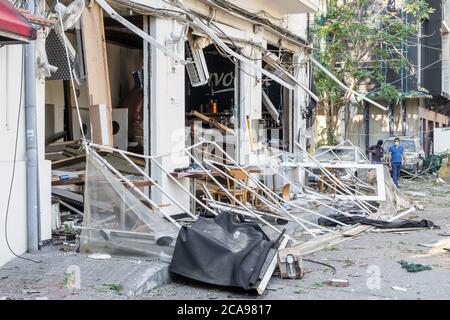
x=378, y=223
x=416, y=193
x=398, y=288
x=100, y=256
x=291, y=267
x=413, y=267
x=338, y=283
x=444, y=234
x=116, y=287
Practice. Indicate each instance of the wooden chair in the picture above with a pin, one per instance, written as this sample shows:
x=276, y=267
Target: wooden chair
x=237, y=190
x=325, y=184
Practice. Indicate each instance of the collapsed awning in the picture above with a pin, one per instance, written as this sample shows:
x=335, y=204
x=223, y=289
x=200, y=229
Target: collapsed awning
x=14, y=27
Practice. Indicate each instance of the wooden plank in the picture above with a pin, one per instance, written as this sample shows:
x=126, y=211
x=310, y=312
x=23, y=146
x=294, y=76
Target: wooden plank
x=139, y=183
x=398, y=230
x=81, y=179
x=94, y=44
x=330, y=240
x=213, y=122
x=59, y=146
x=65, y=182
x=55, y=137
x=99, y=116
x=194, y=175
x=268, y=275
x=68, y=161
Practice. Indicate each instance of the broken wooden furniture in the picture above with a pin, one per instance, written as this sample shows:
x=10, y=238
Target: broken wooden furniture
x=239, y=192
x=213, y=122
x=380, y=192
x=326, y=184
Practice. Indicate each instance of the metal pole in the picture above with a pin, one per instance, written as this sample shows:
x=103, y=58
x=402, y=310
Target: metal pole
x=31, y=144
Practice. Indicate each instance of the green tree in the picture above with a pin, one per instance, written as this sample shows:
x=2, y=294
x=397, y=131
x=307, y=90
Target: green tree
x=356, y=40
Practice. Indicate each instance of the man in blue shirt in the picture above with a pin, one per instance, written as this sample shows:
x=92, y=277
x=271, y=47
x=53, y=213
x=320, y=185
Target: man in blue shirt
x=396, y=157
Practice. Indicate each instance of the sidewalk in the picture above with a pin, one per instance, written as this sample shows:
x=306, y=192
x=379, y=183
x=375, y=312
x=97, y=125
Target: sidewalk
x=56, y=277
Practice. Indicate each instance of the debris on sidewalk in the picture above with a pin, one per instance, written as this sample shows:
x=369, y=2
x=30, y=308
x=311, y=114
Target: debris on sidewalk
x=99, y=256
x=338, y=283
x=427, y=224
x=413, y=267
x=398, y=288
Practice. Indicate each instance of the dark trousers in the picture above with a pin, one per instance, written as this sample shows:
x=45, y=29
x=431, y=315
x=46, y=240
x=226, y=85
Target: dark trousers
x=396, y=167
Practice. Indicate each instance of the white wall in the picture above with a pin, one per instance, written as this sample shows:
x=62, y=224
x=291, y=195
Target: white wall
x=10, y=83
x=10, y=88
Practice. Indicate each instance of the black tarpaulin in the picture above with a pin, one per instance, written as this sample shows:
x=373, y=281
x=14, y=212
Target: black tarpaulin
x=222, y=251
x=377, y=223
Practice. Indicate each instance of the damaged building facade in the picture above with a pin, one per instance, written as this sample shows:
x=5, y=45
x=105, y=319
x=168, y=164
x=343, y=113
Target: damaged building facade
x=99, y=76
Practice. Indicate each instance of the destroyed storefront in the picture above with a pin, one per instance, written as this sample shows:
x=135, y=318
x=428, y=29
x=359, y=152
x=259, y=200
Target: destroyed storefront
x=134, y=91
x=185, y=129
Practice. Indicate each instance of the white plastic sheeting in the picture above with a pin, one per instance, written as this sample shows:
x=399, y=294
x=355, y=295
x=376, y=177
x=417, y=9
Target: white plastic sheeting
x=117, y=222
x=395, y=200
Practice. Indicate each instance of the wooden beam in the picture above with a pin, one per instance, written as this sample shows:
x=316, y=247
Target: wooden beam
x=68, y=161
x=81, y=180
x=55, y=137
x=99, y=92
x=213, y=122
x=268, y=275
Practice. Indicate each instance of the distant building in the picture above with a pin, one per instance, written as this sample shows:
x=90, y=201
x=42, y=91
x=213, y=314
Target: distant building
x=424, y=87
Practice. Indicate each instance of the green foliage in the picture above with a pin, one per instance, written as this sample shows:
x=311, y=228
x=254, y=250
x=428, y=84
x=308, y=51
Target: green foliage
x=117, y=287
x=326, y=137
x=357, y=40
x=434, y=161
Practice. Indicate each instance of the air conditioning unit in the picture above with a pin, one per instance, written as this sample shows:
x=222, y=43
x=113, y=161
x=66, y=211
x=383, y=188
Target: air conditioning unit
x=197, y=68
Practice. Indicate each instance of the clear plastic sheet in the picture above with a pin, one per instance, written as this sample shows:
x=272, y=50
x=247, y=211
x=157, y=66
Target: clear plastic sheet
x=395, y=201
x=117, y=222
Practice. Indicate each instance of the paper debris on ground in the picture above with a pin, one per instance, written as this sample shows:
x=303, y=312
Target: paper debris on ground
x=99, y=256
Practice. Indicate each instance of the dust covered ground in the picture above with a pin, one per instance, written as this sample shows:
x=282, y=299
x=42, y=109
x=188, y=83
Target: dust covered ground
x=369, y=262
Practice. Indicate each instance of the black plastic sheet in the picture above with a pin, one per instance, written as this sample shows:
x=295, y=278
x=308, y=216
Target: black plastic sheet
x=221, y=251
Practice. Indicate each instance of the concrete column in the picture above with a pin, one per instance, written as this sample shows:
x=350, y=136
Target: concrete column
x=300, y=103
x=250, y=101
x=167, y=110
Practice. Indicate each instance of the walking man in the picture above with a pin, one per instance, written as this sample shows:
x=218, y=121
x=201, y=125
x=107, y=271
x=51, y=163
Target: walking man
x=376, y=151
x=396, y=157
